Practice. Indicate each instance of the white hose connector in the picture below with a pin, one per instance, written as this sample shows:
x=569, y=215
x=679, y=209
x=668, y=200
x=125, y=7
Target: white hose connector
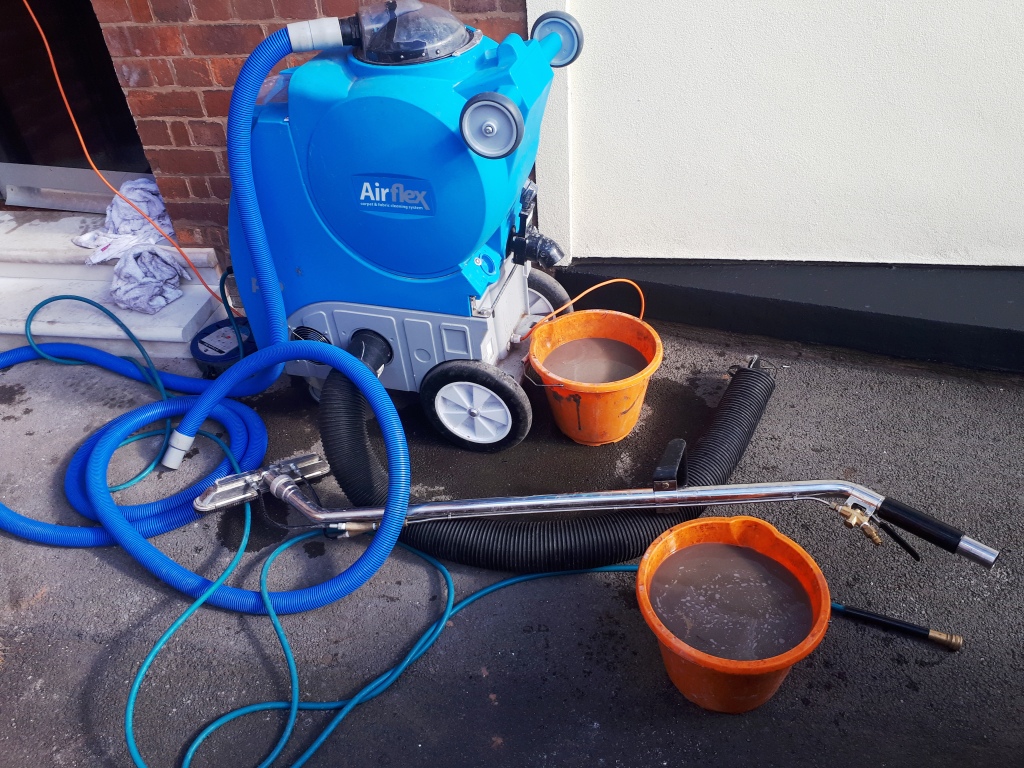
x=177, y=447
x=315, y=35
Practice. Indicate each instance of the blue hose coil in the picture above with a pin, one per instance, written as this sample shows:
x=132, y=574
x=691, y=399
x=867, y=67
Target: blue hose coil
x=246, y=433
x=129, y=526
x=241, y=600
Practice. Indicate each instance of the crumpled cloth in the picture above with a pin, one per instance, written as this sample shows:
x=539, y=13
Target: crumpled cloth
x=122, y=219
x=108, y=247
x=124, y=227
x=146, y=277
x=146, y=280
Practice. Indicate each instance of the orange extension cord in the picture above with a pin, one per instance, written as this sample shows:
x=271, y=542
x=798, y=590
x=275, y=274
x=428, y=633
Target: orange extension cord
x=88, y=157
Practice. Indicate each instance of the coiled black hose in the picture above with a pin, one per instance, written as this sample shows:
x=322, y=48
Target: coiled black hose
x=544, y=545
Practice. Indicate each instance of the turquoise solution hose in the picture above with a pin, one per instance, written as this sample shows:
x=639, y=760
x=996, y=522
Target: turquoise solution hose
x=376, y=686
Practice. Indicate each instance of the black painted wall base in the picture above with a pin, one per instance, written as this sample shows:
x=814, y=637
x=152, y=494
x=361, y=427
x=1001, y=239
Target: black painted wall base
x=972, y=317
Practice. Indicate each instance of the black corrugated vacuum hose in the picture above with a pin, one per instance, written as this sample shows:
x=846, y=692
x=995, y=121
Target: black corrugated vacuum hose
x=544, y=545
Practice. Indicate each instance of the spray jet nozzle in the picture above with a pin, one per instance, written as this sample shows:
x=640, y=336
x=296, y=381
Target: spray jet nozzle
x=946, y=639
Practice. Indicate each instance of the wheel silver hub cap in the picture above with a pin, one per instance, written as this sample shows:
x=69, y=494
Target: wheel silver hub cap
x=473, y=412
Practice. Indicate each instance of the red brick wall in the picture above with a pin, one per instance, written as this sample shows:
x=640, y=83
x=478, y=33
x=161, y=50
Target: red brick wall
x=177, y=61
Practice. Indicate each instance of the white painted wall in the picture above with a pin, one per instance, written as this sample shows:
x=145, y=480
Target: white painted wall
x=844, y=130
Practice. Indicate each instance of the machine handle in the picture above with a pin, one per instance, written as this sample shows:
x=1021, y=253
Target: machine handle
x=936, y=532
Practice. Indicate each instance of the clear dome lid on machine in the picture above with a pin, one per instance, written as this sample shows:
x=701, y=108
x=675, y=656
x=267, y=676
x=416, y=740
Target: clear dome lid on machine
x=410, y=32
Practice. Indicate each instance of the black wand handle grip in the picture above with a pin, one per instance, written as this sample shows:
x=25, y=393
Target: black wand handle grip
x=920, y=524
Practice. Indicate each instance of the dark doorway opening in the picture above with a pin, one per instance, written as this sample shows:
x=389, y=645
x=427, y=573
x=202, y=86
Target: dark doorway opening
x=35, y=131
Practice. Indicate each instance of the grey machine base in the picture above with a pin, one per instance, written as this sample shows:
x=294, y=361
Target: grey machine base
x=422, y=340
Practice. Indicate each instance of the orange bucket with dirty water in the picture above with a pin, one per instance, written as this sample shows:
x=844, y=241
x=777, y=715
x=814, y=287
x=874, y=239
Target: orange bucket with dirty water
x=596, y=413
x=712, y=682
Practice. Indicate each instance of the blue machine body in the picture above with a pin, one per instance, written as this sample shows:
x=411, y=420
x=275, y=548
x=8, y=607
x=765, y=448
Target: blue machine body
x=368, y=191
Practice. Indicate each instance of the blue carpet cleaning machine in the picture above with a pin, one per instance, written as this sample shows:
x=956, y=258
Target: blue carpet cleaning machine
x=382, y=205
x=393, y=177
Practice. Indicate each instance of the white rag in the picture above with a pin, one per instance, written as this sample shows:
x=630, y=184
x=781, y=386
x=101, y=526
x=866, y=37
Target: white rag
x=125, y=227
x=146, y=277
x=146, y=280
x=122, y=219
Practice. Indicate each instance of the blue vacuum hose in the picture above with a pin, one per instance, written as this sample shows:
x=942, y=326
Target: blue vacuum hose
x=246, y=433
x=243, y=186
x=86, y=480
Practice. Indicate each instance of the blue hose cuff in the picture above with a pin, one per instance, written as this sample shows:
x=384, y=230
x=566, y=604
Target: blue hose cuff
x=177, y=446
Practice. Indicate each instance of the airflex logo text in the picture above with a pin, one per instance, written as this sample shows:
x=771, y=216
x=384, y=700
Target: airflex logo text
x=398, y=192
x=381, y=193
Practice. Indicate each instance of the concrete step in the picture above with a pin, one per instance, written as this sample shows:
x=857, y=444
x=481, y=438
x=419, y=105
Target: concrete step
x=44, y=237
x=87, y=272
x=165, y=334
x=38, y=260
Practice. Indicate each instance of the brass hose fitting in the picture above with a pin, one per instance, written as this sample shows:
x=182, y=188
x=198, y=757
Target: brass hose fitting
x=856, y=518
x=950, y=641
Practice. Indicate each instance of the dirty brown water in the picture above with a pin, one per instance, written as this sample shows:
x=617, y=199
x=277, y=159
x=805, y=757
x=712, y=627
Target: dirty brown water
x=595, y=361
x=731, y=602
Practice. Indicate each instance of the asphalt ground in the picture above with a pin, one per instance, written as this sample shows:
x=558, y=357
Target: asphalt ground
x=558, y=672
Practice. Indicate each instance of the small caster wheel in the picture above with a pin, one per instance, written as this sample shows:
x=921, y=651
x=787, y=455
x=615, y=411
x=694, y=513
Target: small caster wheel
x=492, y=125
x=476, y=406
x=565, y=26
x=545, y=294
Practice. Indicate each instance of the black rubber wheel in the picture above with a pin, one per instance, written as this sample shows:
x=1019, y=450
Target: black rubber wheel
x=546, y=294
x=568, y=28
x=476, y=406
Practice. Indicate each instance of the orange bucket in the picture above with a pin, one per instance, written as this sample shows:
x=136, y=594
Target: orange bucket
x=595, y=414
x=725, y=685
